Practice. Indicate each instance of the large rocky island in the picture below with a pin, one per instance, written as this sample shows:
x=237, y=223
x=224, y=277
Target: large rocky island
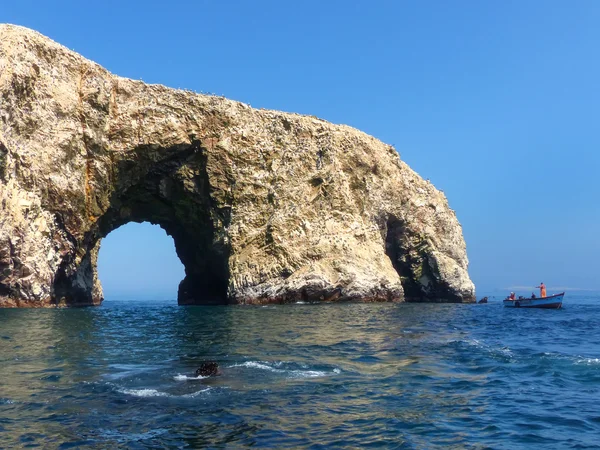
x=263, y=206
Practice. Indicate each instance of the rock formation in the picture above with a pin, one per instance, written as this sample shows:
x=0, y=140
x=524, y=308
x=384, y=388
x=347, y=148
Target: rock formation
x=263, y=206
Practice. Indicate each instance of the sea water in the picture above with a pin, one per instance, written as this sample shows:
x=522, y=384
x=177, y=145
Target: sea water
x=301, y=376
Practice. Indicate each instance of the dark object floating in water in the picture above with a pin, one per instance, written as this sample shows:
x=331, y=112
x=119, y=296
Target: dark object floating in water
x=208, y=369
x=483, y=300
x=551, y=302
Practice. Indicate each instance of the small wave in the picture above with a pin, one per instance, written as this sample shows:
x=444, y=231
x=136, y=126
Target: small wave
x=257, y=365
x=143, y=392
x=126, y=437
x=308, y=373
x=6, y=401
x=292, y=373
x=470, y=342
x=494, y=350
x=154, y=393
x=578, y=360
x=588, y=361
x=180, y=377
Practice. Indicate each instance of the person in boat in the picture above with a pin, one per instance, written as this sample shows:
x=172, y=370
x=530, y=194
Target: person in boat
x=208, y=369
x=533, y=295
x=512, y=296
x=542, y=288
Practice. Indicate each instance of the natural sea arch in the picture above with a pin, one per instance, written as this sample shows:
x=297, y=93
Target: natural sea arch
x=263, y=206
x=139, y=262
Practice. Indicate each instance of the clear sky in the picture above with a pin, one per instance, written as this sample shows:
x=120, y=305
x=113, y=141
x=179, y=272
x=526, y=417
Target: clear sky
x=496, y=102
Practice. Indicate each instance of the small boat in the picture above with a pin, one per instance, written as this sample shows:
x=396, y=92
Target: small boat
x=552, y=302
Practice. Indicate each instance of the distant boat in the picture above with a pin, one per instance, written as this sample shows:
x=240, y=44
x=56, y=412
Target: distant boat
x=552, y=302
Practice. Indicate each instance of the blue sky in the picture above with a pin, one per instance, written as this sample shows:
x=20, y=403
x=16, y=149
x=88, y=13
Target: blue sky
x=497, y=103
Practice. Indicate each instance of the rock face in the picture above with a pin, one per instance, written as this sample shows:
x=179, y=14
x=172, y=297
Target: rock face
x=263, y=206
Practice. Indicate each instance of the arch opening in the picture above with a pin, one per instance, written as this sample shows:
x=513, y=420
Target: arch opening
x=139, y=262
x=169, y=188
x=407, y=260
x=410, y=254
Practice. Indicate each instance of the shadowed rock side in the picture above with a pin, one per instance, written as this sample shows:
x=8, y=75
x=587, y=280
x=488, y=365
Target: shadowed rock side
x=263, y=206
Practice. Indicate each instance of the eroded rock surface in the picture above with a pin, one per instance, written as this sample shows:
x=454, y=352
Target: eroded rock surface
x=263, y=206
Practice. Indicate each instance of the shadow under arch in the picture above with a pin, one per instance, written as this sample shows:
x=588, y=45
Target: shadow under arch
x=165, y=187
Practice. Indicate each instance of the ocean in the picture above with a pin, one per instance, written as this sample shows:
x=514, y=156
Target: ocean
x=408, y=376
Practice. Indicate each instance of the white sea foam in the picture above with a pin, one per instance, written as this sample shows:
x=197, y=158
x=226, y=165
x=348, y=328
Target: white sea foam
x=497, y=350
x=144, y=392
x=588, y=361
x=257, y=365
x=180, y=377
x=261, y=365
x=155, y=393
x=307, y=373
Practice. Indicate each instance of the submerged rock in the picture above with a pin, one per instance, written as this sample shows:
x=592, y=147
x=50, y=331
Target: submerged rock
x=263, y=206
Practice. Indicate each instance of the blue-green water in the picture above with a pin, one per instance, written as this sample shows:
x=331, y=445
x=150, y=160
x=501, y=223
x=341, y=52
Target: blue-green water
x=301, y=376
